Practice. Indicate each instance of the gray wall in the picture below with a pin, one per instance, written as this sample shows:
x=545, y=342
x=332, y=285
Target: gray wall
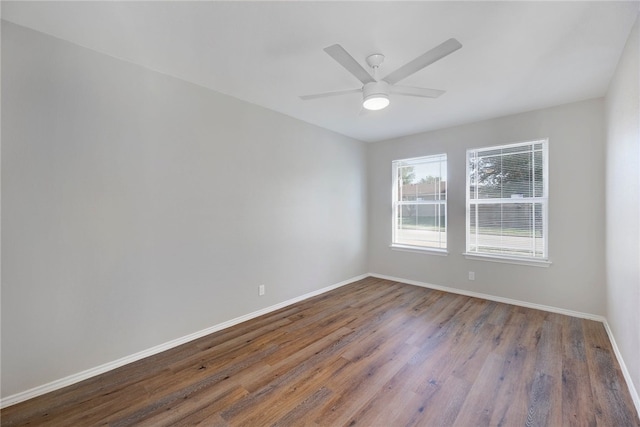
x=575, y=280
x=623, y=205
x=138, y=208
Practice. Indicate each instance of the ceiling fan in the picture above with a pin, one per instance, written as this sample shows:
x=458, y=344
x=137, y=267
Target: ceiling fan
x=375, y=93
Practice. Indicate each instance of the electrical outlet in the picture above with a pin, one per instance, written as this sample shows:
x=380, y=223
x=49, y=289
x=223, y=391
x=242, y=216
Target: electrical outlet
x=261, y=290
x=472, y=275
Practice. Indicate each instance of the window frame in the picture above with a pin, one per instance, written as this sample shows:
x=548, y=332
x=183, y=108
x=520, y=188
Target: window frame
x=542, y=200
x=443, y=157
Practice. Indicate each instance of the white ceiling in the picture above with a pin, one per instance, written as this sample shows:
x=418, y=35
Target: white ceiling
x=516, y=56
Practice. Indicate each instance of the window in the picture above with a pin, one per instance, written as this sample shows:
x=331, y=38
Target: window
x=507, y=201
x=420, y=203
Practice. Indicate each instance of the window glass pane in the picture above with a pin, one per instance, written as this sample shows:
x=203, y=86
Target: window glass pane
x=538, y=183
x=512, y=229
x=422, y=225
x=404, y=178
x=538, y=233
x=506, y=176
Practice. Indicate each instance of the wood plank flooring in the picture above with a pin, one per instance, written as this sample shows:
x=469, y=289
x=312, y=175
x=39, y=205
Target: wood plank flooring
x=372, y=353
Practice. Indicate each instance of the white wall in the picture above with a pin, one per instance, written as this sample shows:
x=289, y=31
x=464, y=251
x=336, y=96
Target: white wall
x=622, y=109
x=575, y=280
x=138, y=208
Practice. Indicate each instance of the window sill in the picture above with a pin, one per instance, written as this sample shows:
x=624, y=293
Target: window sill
x=418, y=249
x=508, y=260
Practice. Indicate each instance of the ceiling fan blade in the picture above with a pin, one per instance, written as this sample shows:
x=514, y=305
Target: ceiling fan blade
x=343, y=58
x=416, y=91
x=423, y=60
x=327, y=94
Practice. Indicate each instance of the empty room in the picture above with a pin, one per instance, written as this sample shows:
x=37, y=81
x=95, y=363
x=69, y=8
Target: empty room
x=307, y=213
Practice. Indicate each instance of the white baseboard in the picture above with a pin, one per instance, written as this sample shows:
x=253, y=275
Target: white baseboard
x=616, y=350
x=80, y=376
x=623, y=367
x=494, y=298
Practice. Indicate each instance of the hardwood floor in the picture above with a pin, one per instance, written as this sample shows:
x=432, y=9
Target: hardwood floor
x=372, y=353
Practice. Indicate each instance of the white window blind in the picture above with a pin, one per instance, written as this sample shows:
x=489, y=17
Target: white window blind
x=420, y=202
x=507, y=200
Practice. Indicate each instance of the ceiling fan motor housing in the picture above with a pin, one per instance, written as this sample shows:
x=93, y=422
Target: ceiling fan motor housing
x=380, y=88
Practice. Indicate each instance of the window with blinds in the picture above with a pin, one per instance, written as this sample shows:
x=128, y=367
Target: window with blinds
x=507, y=200
x=420, y=202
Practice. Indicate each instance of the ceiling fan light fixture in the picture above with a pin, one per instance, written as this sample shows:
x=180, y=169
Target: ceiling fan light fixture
x=376, y=102
x=375, y=95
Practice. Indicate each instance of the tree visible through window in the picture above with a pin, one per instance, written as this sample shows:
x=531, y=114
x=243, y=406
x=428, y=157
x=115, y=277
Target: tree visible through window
x=507, y=200
x=420, y=202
